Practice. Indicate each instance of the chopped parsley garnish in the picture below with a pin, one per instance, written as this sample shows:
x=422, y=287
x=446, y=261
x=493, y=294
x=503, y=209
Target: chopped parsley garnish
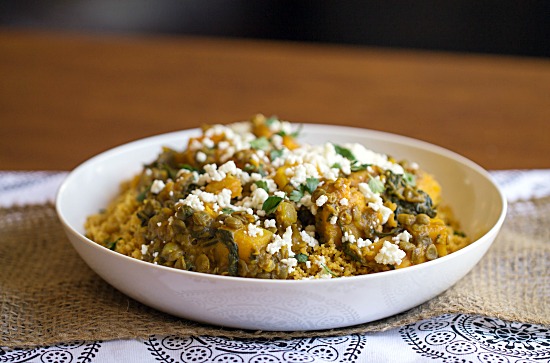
x=141, y=196
x=328, y=270
x=336, y=166
x=227, y=210
x=271, y=120
x=311, y=184
x=301, y=257
x=376, y=185
x=297, y=194
x=261, y=143
x=409, y=179
x=344, y=152
x=275, y=153
x=262, y=184
x=189, y=167
x=294, y=134
x=271, y=204
x=358, y=167
x=112, y=245
x=261, y=170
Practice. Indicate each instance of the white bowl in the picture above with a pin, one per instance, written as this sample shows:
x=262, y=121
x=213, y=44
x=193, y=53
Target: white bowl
x=280, y=304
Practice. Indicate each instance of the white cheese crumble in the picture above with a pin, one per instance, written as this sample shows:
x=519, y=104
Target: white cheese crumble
x=403, y=236
x=363, y=242
x=157, y=186
x=254, y=231
x=291, y=263
x=344, y=201
x=321, y=200
x=270, y=223
x=390, y=254
x=144, y=249
x=309, y=238
x=278, y=242
x=200, y=157
x=375, y=202
x=192, y=201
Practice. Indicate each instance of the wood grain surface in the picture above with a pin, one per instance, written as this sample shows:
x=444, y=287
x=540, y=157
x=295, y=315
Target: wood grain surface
x=66, y=97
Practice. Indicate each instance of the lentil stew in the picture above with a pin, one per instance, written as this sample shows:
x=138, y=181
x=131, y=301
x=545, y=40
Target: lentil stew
x=247, y=199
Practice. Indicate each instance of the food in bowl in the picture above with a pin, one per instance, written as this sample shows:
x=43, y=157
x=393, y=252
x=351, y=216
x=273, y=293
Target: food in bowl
x=247, y=199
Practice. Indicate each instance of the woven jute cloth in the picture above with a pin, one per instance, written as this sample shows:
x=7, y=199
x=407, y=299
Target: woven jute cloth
x=49, y=295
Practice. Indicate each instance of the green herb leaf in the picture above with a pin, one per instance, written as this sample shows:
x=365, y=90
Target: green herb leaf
x=141, y=196
x=298, y=131
x=409, y=179
x=459, y=233
x=376, y=185
x=336, y=166
x=358, y=167
x=262, y=184
x=261, y=143
x=301, y=257
x=311, y=184
x=261, y=170
x=227, y=210
x=271, y=120
x=296, y=195
x=344, y=152
x=274, y=154
x=112, y=245
x=328, y=270
x=271, y=204
x=189, y=167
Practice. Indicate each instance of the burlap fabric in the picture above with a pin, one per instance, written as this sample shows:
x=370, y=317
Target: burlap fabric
x=48, y=294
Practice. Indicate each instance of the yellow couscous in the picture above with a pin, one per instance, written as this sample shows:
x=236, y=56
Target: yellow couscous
x=247, y=199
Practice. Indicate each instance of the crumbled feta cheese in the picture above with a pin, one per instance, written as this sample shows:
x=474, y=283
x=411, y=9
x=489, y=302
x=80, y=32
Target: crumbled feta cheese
x=291, y=263
x=403, y=236
x=333, y=219
x=390, y=254
x=278, y=242
x=321, y=200
x=308, y=238
x=363, y=242
x=208, y=142
x=344, y=201
x=254, y=231
x=200, y=157
x=259, y=196
x=375, y=202
x=144, y=249
x=157, y=186
x=192, y=201
x=270, y=223
x=348, y=237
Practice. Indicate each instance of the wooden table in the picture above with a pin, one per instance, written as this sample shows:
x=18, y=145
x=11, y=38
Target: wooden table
x=65, y=97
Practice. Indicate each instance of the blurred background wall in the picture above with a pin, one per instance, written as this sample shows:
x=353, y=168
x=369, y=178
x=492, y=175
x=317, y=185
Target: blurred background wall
x=519, y=27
